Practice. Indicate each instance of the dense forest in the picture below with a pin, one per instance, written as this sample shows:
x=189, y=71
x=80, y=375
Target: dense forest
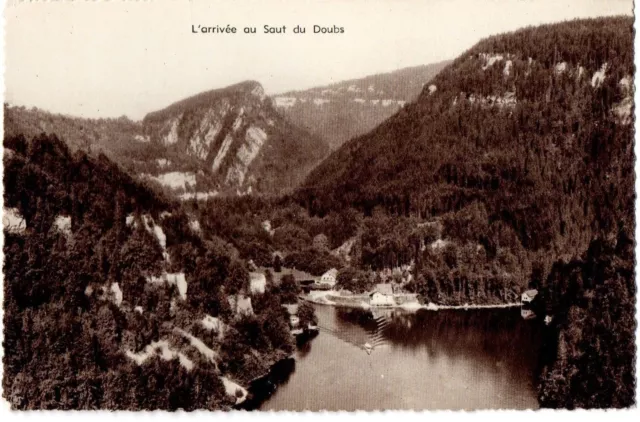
x=593, y=337
x=439, y=260
x=121, y=139
x=92, y=318
x=116, y=138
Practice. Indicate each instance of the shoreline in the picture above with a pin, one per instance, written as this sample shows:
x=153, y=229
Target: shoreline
x=320, y=299
x=255, y=393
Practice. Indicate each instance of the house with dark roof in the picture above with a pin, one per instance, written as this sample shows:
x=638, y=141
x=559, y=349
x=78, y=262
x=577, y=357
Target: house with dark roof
x=529, y=295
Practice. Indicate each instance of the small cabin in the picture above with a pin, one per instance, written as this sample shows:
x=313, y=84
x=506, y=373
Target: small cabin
x=240, y=305
x=244, y=305
x=294, y=320
x=529, y=295
x=382, y=295
x=257, y=282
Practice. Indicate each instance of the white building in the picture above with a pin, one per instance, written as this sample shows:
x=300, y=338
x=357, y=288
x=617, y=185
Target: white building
x=294, y=320
x=240, y=304
x=258, y=282
x=382, y=296
x=529, y=295
x=329, y=277
x=13, y=221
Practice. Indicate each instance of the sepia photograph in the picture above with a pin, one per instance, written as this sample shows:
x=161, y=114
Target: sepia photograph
x=318, y=205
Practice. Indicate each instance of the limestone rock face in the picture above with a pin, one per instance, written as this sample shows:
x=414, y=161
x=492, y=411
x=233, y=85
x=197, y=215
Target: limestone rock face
x=235, y=137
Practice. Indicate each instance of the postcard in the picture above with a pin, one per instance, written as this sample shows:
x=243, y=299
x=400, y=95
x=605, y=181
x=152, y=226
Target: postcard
x=319, y=205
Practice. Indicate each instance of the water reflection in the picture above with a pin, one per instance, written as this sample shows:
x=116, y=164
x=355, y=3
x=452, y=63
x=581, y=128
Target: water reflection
x=428, y=360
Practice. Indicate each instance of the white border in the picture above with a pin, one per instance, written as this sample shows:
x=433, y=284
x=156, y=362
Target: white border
x=545, y=415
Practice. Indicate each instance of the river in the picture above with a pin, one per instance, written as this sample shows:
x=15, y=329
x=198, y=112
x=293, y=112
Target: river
x=451, y=359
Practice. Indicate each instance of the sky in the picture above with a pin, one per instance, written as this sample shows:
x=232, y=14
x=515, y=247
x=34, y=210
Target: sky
x=115, y=57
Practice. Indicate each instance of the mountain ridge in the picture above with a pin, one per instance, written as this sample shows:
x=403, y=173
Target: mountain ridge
x=349, y=174
x=344, y=109
x=223, y=141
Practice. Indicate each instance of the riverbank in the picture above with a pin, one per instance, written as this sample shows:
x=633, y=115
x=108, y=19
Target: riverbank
x=324, y=298
x=261, y=387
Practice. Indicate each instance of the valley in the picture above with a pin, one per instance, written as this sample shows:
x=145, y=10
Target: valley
x=232, y=250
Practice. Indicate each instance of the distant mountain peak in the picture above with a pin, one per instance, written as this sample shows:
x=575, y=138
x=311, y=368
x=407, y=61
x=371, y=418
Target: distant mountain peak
x=250, y=87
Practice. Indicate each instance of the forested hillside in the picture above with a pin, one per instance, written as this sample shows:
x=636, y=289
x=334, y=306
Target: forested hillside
x=523, y=146
x=121, y=138
x=114, y=300
x=340, y=111
x=519, y=113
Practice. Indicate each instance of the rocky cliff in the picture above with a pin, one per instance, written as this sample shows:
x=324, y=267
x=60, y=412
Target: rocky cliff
x=236, y=140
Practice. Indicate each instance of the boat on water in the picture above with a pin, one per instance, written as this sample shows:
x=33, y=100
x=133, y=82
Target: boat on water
x=368, y=348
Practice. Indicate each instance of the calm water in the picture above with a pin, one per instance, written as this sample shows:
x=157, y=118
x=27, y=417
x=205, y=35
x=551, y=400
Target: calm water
x=430, y=360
